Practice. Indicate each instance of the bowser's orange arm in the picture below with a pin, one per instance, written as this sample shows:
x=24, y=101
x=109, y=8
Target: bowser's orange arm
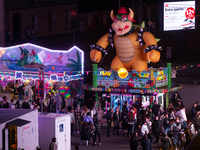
x=95, y=54
x=152, y=49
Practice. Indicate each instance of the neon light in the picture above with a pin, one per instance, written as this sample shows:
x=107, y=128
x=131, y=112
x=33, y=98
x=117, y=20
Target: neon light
x=30, y=46
x=18, y=75
x=54, y=77
x=105, y=73
x=122, y=73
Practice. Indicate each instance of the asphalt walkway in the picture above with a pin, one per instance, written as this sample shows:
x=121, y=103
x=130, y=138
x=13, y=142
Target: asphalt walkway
x=117, y=142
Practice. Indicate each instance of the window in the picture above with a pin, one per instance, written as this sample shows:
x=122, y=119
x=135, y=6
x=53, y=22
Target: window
x=68, y=19
x=51, y=21
x=35, y=22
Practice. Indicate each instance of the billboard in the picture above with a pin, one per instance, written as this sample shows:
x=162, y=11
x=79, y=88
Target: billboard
x=179, y=15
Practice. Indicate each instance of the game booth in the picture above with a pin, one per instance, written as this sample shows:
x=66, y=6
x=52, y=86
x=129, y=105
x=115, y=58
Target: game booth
x=129, y=78
x=135, y=87
x=41, y=68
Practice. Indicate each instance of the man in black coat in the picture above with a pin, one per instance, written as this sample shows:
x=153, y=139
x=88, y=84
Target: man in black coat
x=25, y=104
x=156, y=128
x=155, y=108
x=109, y=115
x=166, y=123
x=145, y=143
x=5, y=104
x=194, y=111
x=151, y=138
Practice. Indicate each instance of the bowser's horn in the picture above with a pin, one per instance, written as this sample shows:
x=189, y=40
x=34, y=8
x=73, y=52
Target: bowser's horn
x=112, y=15
x=131, y=14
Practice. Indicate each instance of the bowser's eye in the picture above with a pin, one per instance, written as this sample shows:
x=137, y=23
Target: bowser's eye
x=115, y=19
x=124, y=18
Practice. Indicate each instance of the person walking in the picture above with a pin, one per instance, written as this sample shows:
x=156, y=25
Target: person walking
x=53, y=145
x=165, y=142
x=131, y=121
x=194, y=111
x=78, y=118
x=84, y=133
x=145, y=143
x=156, y=128
x=116, y=120
x=71, y=113
x=133, y=141
x=109, y=120
x=97, y=124
x=155, y=108
x=166, y=123
x=100, y=114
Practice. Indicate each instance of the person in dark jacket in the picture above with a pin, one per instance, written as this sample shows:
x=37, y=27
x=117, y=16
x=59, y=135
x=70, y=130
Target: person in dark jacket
x=109, y=120
x=165, y=142
x=176, y=133
x=166, y=123
x=156, y=125
x=124, y=118
x=116, y=120
x=20, y=91
x=25, y=104
x=145, y=143
x=133, y=141
x=155, y=108
x=175, y=98
x=125, y=106
x=5, y=103
x=194, y=111
x=151, y=138
x=97, y=125
x=17, y=105
x=84, y=133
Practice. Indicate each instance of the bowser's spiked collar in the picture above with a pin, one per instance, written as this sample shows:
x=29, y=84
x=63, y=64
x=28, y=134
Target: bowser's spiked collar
x=128, y=33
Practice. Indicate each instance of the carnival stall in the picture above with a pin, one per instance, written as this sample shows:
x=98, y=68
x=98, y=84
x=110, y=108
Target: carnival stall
x=130, y=79
x=43, y=68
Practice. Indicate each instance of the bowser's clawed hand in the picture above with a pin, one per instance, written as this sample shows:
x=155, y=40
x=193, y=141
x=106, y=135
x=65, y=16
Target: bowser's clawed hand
x=95, y=56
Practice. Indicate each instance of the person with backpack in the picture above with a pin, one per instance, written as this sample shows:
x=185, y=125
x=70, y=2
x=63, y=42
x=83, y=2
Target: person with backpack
x=131, y=121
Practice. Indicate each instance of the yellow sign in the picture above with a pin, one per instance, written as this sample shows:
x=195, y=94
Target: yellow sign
x=105, y=73
x=122, y=73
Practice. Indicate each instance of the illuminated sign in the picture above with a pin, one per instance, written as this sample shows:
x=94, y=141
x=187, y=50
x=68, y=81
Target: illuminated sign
x=179, y=15
x=160, y=76
x=18, y=75
x=105, y=73
x=141, y=75
x=144, y=75
x=122, y=73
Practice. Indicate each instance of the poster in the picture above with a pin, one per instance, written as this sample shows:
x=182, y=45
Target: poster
x=179, y=15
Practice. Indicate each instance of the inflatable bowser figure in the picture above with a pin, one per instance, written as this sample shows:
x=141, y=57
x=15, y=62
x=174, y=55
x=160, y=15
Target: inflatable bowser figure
x=134, y=49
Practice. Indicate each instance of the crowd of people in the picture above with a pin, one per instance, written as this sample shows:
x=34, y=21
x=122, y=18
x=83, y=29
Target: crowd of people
x=153, y=125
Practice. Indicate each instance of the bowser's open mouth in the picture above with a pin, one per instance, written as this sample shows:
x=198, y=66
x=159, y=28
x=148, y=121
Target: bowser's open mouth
x=120, y=29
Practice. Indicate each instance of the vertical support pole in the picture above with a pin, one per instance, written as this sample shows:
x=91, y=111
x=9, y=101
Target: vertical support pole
x=151, y=78
x=169, y=83
x=169, y=75
x=151, y=101
x=95, y=81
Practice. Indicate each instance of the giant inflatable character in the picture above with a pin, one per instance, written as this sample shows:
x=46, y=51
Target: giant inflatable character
x=133, y=48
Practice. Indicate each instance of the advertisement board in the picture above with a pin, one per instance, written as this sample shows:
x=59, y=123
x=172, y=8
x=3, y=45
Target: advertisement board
x=179, y=15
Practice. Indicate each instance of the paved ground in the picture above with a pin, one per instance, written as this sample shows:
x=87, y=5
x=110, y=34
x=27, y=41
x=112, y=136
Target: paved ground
x=119, y=142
